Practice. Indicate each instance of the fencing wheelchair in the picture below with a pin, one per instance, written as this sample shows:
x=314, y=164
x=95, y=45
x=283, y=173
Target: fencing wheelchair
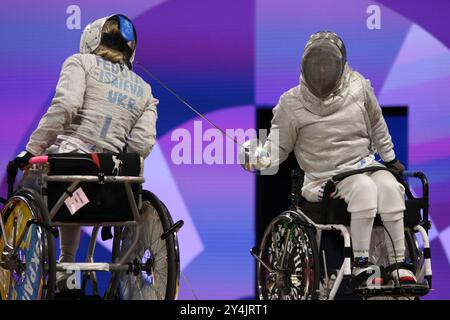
x=97, y=190
x=305, y=252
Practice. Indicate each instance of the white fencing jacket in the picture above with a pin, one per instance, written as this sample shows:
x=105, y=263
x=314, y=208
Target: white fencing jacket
x=99, y=105
x=338, y=134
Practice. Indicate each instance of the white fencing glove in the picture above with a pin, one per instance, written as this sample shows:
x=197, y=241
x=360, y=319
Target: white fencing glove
x=253, y=156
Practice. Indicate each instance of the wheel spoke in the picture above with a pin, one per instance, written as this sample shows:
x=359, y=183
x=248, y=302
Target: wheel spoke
x=274, y=241
x=158, y=238
x=163, y=276
x=11, y=273
x=151, y=246
x=305, y=269
x=285, y=248
x=160, y=250
x=152, y=288
x=160, y=259
x=271, y=285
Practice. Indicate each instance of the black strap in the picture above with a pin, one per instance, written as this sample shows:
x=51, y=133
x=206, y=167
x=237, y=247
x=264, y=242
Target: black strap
x=330, y=187
x=341, y=176
x=11, y=173
x=106, y=233
x=400, y=265
x=348, y=252
x=426, y=253
x=101, y=178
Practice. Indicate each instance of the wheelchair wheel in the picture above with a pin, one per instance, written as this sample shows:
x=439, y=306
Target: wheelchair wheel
x=290, y=250
x=161, y=282
x=28, y=269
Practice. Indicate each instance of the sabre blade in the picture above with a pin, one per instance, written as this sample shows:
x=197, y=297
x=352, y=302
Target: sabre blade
x=165, y=86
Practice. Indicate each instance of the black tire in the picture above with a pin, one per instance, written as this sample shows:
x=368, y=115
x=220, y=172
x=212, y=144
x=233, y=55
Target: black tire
x=45, y=241
x=128, y=282
x=298, y=277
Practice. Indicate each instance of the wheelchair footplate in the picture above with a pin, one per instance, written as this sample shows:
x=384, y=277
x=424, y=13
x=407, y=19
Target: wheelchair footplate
x=416, y=290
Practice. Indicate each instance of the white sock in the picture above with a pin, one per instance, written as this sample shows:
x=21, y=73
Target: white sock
x=397, y=232
x=361, y=230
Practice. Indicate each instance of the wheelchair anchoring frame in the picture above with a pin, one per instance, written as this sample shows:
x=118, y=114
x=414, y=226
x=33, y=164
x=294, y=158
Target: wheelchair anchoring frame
x=296, y=215
x=40, y=166
x=119, y=264
x=345, y=270
x=425, y=272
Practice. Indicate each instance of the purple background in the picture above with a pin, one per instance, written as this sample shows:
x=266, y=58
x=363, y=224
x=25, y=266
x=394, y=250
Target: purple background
x=226, y=58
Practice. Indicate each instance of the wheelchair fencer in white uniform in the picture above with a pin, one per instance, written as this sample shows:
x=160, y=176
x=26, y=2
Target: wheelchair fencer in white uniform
x=94, y=137
x=334, y=125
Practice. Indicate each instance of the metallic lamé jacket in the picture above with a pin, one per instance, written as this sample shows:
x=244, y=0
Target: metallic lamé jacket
x=99, y=104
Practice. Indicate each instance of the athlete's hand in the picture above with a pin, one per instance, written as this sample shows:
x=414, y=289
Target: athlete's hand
x=253, y=157
x=396, y=165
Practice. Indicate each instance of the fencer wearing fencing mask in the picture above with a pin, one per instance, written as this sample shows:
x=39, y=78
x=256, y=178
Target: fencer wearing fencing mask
x=323, y=63
x=333, y=123
x=331, y=120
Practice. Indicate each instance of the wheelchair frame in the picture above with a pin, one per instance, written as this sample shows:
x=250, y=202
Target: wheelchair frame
x=296, y=215
x=119, y=264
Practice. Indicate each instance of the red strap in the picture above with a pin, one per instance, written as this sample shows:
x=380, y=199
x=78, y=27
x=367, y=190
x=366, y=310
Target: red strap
x=96, y=159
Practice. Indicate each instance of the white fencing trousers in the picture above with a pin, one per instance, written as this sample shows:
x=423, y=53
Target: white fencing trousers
x=370, y=193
